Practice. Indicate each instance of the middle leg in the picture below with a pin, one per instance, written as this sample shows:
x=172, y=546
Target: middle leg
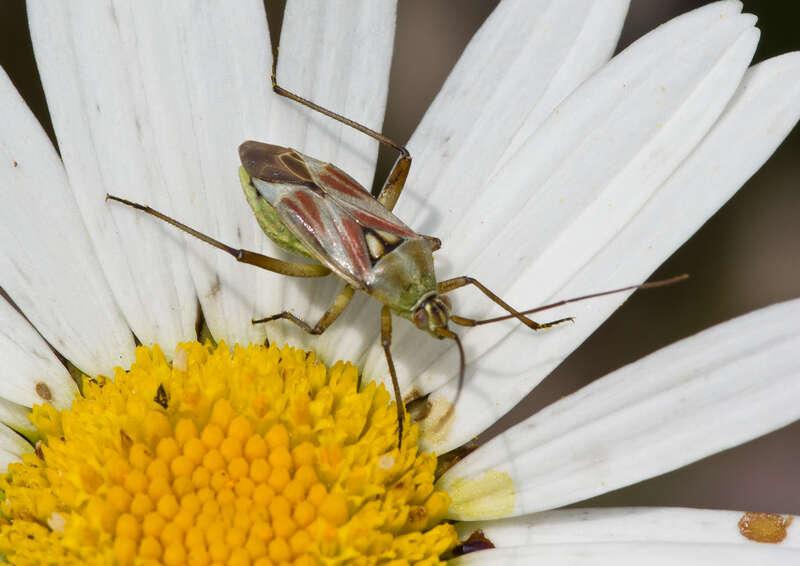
x=386, y=342
x=339, y=304
x=458, y=282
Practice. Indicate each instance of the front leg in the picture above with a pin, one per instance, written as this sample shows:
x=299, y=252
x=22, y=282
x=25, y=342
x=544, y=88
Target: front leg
x=457, y=282
x=339, y=304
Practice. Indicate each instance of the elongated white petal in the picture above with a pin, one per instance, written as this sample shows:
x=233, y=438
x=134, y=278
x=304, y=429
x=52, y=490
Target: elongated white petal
x=762, y=113
x=722, y=387
x=107, y=123
x=12, y=447
x=526, y=58
x=577, y=180
x=337, y=54
x=522, y=62
x=622, y=554
x=47, y=264
x=31, y=373
x=623, y=524
x=206, y=67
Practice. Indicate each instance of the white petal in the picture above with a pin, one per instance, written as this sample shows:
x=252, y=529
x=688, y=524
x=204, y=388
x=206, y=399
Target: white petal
x=757, y=119
x=31, y=372
x=16, y=417
x=624, y=524
x=12, y=447
x=107, y=126
x=47, y=263
x=622, y=554
x=206, y=69
x=577, y=182
x=337, y=54
x=724, y=386
x=521, y=63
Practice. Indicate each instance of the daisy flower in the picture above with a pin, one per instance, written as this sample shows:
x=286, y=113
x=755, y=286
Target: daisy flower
x=547, y=170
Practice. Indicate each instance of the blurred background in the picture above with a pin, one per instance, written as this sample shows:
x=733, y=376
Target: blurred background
x=743, y=258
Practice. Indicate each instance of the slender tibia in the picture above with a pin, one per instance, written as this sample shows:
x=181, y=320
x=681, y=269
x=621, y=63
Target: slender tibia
x=347, y=121
x=457, y=282
x=397, y=178
x=463, y=321
x=339, y=304
x=386, y=342
x=243, y=256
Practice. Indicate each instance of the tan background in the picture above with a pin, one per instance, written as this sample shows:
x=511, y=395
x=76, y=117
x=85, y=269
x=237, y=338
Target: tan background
x=744, y=258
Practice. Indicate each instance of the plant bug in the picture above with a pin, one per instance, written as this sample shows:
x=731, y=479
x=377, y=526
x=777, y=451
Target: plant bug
x=314, y=209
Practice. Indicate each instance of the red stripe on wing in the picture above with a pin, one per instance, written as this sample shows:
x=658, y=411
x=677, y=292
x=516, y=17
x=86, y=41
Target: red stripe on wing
x=337, y=181
x=308, y=211
x=369, y=220
x=355, y=245
x=331, y=234
x=362, y=205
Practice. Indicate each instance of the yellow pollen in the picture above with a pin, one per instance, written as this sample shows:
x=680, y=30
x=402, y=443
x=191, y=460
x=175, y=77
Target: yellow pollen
x=256, y=456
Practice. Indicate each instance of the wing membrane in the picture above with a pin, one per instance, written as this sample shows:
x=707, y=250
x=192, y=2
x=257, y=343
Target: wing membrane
x=326, y=209
x=336, y=239
x=361, y=204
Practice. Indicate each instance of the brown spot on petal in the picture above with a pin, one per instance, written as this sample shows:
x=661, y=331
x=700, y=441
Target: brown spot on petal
x=764, y=527
x=43, y=391
x=476, y=541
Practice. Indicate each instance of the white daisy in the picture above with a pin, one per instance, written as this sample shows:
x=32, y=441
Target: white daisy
x=548, y=172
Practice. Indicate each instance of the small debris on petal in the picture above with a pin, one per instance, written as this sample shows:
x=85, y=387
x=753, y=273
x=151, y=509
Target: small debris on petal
x=43, y=391
x=764, y=527
x=476, y=541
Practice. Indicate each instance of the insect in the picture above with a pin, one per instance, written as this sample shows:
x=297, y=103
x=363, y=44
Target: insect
x=314, y=209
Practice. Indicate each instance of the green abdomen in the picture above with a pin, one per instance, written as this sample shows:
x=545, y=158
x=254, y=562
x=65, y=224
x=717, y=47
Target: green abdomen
x=268, y=219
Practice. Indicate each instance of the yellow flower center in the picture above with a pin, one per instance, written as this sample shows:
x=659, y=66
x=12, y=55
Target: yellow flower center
x=256, y=457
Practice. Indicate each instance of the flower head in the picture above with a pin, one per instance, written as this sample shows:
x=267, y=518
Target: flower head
x=600, y=168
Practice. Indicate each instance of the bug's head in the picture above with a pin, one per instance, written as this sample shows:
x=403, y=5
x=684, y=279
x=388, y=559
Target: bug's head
x=432, y=314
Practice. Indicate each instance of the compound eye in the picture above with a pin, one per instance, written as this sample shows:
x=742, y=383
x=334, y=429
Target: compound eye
x=446, y=301
x=421, y=318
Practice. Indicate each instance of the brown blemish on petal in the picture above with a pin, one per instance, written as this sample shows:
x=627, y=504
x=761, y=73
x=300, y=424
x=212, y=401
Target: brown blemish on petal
x=476, y=541
x=43, y=391
x=764, y=527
